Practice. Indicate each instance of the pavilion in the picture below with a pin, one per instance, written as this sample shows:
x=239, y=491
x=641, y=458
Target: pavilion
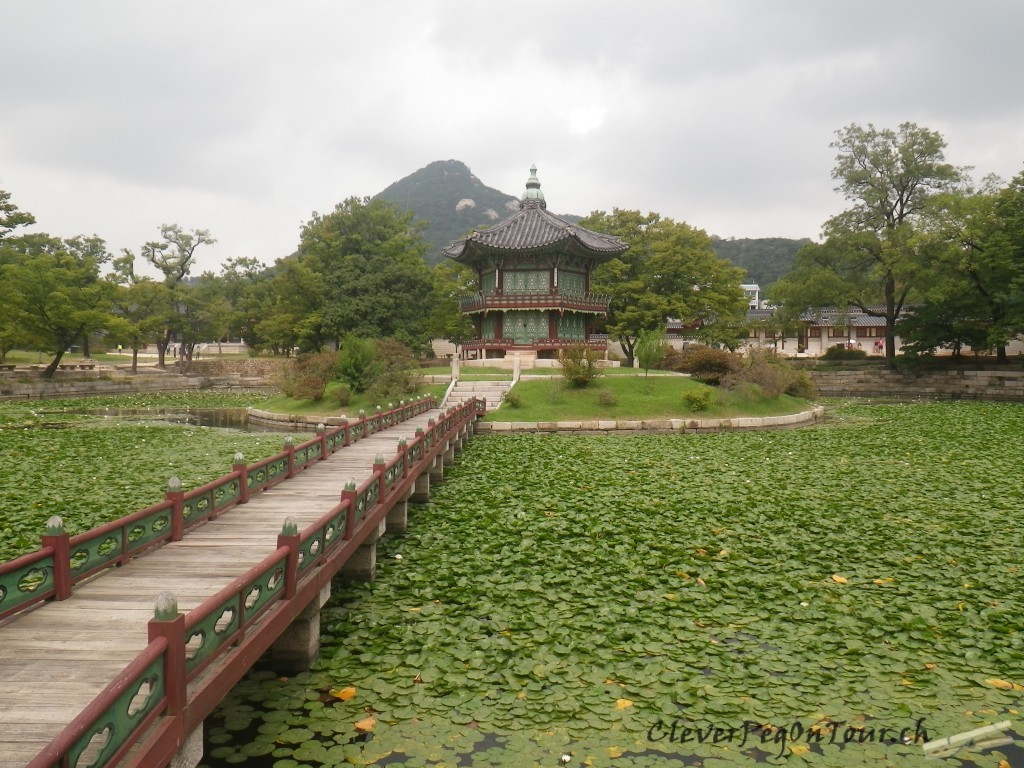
x=533, y=282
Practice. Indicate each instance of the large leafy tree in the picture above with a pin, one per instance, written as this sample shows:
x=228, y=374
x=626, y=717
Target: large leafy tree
x=870, y=258
x=286, y=310
x=50, y=290
x=10, y=217
x=969, y=272
x=670, y=271
x=376, y=283
x=450, y=280
x=174, y=256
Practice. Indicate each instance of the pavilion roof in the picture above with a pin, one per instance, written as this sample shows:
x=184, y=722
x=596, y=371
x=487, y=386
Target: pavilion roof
x=534, y=230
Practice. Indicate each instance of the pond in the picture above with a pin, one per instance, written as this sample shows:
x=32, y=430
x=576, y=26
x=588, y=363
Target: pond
x=832, y=595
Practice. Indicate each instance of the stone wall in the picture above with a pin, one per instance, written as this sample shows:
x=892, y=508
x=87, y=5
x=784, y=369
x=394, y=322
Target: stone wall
x=1006, y=385
x=253, y=367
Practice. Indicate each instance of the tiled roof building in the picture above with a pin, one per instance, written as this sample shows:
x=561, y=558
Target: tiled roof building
x=533, y=272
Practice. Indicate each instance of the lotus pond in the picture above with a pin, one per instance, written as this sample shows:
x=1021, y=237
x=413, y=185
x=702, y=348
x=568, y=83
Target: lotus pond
x=715, y=600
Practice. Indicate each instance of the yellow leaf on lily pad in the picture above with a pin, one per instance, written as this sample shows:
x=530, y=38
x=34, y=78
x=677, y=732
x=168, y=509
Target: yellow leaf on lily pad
x=799, y=749
x=838, y=579
x=623, y=704
x=1004, y=685
x=615, y=752
x=344, y=694
x=367, y=724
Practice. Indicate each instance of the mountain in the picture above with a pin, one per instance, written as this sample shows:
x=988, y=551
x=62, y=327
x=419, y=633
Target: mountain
x=766, y=259
x=451, y=200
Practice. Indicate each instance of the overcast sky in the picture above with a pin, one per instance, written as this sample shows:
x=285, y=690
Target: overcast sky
x=246, y=116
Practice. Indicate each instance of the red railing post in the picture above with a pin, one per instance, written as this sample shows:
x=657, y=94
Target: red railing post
x=403, y=448
x=176, y=496
x=168, y=623
x=289, y=537
x=289, y=448
x=57, y=538
x=321, y=431
x=242, y=471
x=346, y=432
x=379, y=471
x=349, y=495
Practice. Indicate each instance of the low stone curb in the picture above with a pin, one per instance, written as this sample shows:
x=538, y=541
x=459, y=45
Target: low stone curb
x=815, y=414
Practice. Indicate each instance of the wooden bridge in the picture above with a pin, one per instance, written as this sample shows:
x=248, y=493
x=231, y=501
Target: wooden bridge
x=116, y=644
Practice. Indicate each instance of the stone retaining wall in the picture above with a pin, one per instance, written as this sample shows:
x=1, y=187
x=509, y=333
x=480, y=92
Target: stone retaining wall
x=653, y=425
x=1005, y=385
x=263, y=367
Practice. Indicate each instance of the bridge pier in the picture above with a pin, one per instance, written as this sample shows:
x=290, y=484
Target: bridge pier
x=421, y=489
x=362, y=566
x=299, y=645
x=397, y=520
x=437, y=470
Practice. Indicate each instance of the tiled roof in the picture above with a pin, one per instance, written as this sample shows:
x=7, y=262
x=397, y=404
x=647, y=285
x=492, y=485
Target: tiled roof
x=534, y=229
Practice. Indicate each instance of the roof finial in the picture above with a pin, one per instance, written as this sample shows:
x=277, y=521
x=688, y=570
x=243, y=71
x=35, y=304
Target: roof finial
x=533, y=197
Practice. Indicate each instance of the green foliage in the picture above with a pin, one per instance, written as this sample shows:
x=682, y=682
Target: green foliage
x=871, y=257
x=579, y=365
x=764, y=259
x=650, y=349
x=79, y=471
x=707, y=364
x=356, y=363
x=697, y=399
x=342, y=395
x=669, y=271
x=394, y=371
x=308, y=375
x=512, y=398
x=376, y=284
x=843, y=352
x=657, y=577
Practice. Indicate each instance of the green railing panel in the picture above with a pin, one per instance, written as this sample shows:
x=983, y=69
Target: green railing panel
x=117, y=725
x=334, y=531
x=310, y=550
x=260, y=591
x=210, y=633
x=148, y=529
x=91, y=554
x=25, y=584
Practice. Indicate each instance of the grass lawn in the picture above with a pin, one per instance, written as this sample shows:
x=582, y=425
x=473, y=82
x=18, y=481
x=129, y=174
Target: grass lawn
x=655, y=397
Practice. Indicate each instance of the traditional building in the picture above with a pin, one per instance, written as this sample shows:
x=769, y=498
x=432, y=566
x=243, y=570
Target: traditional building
x=533, y=271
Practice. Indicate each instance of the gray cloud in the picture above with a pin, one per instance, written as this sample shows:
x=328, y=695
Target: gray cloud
x=245, y=116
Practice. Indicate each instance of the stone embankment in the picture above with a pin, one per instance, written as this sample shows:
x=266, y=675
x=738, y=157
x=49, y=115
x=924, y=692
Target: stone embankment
x=876, y=382
x=815, y=414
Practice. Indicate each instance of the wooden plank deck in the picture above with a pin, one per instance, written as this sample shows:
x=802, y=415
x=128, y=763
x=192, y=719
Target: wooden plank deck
x=56, y=658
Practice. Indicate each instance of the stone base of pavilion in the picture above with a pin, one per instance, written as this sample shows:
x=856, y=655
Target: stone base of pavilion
x=811, y=416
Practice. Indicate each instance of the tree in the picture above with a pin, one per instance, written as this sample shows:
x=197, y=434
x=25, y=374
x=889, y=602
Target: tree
x=650, y=349
x=174, y=256
x=371, y=258
x=449, y=281
x=10, y=217
x=966, y=298
x=285, y=312
x=870, y=258
x=669, y=271
x=49, y=288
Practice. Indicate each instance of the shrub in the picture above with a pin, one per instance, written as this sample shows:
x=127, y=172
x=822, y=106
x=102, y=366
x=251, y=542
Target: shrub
x=650, y=349
x=698, y=399
x=309, y=374
x=342, y=394
x=607, y=398
x=843, y=352
x=802, y=386
x=392, y=374
x=579, y=365
x=355, y=363
x=708, y=365
x=512, y=398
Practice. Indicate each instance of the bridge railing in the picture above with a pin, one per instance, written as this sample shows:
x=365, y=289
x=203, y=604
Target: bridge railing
x=63, y=561
x=147, y=701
